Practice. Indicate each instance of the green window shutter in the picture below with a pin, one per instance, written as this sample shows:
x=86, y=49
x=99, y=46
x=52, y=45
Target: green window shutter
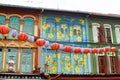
x=1, y=54
x=12, y=54
x=2, y=22
x=14, y=24
x=28, y=26
x=26, y=60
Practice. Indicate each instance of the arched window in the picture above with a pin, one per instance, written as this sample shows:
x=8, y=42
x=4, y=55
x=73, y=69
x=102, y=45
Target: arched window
x=28, y=26
x=2, y=22
x=14, y=24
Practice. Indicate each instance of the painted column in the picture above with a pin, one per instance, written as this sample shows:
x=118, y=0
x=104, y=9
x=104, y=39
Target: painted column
x=4, y=60
x=21, y=25
x=86, y=30
x=35, y=28
x=19, y=60
x=88, y=45
x=89, y=63
x=33, y=59
x=72, y=62
x=39, y=56
x=7, y=21
x=58, y=59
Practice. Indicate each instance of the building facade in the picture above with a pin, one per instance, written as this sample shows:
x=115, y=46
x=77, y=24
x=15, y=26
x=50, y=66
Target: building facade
x=23, y=53
x=75, y=29
x=103, y=32
x=64, y=29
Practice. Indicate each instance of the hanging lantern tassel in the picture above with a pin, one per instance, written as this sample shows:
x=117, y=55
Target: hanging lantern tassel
x=22, y=37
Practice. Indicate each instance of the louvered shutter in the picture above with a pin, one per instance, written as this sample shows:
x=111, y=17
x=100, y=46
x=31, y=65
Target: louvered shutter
x=103, y=68
x=101, y=33
x=117, y=31
x=95, y=34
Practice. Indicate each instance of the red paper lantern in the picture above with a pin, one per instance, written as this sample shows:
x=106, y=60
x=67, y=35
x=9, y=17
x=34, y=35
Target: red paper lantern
x=107, y=49
x=77, y=50
x=86, y=50
x=94, y=50
x=22, y=36
x=67, y=48
x=113, y=49
x=55, y=46
x=4, y=30
x=40, y=42
x=101, y=50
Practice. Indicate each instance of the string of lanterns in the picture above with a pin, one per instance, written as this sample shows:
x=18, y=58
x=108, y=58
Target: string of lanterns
x=4, y=30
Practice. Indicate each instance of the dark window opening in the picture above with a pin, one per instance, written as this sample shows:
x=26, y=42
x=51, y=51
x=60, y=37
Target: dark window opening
x=9, y=50
x=78, y=32
x=108, y=35
x=75, y=33
x=100, y=34
x=113, y=64
x=102, y=64
x=62, y=30
x=1, y=49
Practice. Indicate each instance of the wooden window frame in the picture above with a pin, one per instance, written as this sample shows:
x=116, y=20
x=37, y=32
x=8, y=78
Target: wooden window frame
x=116, y=28
x=97, y=63
x=108, y=26
x=95, y=26
x=110, y=56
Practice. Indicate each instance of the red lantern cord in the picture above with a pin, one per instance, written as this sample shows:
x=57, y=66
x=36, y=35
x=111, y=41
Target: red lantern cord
x=67, y=48
x=55, y=46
